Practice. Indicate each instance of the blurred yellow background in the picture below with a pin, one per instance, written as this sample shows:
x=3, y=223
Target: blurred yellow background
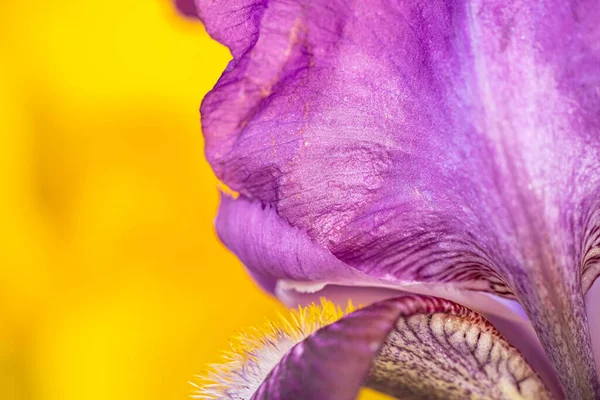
x=113, y=284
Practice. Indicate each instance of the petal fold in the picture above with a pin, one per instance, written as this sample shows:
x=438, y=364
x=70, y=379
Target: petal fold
x=271, y=249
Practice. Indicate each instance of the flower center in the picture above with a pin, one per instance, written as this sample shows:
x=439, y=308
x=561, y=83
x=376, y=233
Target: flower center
x=257, y=350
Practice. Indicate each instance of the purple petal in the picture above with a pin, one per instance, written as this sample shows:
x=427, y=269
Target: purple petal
x=418, y=141
x=410, y=347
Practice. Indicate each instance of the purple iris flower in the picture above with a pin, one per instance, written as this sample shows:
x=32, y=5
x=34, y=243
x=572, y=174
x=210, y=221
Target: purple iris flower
x=439, y=160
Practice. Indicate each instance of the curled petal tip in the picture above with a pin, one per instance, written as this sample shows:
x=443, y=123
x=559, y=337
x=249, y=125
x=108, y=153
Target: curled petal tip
x=412, y=347
x=187, y=8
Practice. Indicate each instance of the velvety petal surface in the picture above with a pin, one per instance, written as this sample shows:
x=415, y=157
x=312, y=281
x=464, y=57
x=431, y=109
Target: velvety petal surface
x=412, y=347
x=420, y=141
